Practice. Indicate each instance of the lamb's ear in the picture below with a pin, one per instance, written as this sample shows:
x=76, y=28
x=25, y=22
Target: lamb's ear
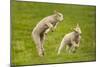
x=55, y=12
x=74, y=29
x=77, y=25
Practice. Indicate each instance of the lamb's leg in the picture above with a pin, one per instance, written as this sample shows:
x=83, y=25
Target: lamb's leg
x=61, y=47
x=76, y=46
x=50, y=27
x=38, y=44
x=72, y=48
x=67, y=48
x=46, y=31
x=42, y=40
x=56, y=25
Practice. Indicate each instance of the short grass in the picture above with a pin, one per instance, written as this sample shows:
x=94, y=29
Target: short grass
x=25, y=15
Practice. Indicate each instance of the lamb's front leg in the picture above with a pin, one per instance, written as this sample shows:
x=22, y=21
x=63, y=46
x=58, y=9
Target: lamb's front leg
x=78, y=42
x=72, y=48
x=45, y=33
x=56, y=25
x=49, y=29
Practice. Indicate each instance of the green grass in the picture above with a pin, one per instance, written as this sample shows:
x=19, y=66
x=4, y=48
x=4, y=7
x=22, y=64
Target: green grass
x=25, y=15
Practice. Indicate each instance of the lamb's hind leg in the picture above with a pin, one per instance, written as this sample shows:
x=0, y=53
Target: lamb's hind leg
x=61, y=47
x=67, y=48
x=72, y=48
x=37, y=41
x=42, y=41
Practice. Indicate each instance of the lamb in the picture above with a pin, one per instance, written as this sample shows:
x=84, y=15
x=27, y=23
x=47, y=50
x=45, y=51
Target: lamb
x=71, y=40
x=47, y=24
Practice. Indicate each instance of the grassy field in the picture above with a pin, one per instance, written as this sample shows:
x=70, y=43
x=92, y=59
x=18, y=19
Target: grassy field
x=25, y=15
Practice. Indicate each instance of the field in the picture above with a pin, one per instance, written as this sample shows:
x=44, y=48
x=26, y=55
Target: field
x=24, y=17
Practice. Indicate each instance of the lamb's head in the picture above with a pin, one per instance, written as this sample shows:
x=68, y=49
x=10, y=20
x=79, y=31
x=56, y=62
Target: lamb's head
x=58, y=15
x=77, y=29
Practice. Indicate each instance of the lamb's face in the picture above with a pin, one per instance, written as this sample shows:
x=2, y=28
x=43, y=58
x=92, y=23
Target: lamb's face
x=77, y=29
x=59, y=16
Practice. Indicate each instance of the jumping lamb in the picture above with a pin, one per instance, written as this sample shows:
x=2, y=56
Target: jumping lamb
x=71, y=40
x=47, y=24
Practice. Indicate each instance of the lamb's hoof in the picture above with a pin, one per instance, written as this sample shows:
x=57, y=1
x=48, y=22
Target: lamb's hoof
x=41, y=55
